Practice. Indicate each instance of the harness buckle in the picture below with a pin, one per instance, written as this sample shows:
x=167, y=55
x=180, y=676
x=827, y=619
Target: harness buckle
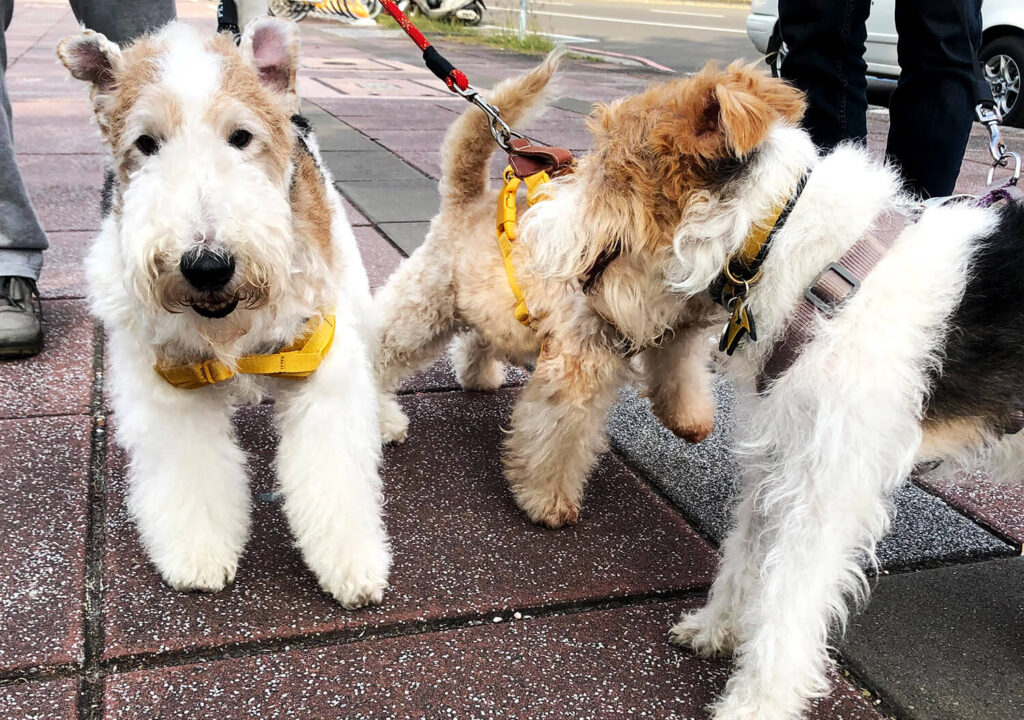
x=829, y=307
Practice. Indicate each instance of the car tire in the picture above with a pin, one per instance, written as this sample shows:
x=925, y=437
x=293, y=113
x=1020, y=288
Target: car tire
x=1002, y=59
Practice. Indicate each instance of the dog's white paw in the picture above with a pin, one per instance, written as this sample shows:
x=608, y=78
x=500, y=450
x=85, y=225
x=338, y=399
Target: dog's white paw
x=394, y=424
x=359, y=577
x=739, y=705
x=705, y=634
x=199, y=573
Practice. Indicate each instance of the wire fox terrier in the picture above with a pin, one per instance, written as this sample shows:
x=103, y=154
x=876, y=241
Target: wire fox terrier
x=856, y=373
x=224, y=238
x=594, y=260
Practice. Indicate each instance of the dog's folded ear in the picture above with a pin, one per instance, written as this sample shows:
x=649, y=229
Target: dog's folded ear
x=727, y=113
x=89, y=56
x=749, y=103
x=271, y=46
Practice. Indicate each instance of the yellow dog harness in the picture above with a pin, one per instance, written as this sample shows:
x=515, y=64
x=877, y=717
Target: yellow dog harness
x=296, y=361
x=508, y=230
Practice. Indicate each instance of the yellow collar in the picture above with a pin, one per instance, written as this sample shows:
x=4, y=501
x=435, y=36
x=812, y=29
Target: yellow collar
x=298, y=360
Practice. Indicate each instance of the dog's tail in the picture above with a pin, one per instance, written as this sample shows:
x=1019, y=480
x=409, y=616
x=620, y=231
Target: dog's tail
x=468, y=145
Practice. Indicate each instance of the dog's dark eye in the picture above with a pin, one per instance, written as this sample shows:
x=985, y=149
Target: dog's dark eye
x=147, y=145
x=240, y=138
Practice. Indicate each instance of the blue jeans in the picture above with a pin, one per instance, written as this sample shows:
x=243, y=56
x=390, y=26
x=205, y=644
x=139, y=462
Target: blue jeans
x=932, y=109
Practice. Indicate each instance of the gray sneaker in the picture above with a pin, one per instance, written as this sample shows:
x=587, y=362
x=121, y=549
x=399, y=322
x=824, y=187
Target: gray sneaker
x=21, y=318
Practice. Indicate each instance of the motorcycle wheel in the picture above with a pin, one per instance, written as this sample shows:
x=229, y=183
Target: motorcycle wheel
x=477, y=17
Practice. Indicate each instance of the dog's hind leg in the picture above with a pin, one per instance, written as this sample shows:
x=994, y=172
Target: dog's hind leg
x=678, y=382
x=476, y=366
x=327, y=469
x=188, y=489
x=415, y=319
x=558, y=428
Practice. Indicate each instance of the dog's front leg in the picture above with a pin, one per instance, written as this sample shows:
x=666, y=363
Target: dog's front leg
x=327, y=470
x=822, y=467
x=678, y=382
x=558, y=428
x=711, y=631
x=187, y=481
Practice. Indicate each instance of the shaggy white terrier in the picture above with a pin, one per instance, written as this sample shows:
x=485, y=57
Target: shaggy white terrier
x=223, y=236
x=922, y=362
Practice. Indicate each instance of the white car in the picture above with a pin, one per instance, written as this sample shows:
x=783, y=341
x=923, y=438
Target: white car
x=1002, y=45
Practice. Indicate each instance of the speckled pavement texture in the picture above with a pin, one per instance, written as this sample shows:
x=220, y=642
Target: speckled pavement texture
x=487, y=615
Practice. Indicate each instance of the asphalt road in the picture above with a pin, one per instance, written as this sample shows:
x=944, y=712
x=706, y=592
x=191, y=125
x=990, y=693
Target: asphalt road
x=679, y=36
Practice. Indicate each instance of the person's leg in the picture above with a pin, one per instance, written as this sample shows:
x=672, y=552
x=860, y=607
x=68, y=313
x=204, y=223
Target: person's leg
x=123, y=20
x=933, y=107
x=22, y=240
x=826, y=39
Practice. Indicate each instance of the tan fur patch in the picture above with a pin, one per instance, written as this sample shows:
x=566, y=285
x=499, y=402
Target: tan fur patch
x=309, y=206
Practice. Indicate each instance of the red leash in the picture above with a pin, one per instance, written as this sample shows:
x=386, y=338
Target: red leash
x=435, y=61
x=525, y=157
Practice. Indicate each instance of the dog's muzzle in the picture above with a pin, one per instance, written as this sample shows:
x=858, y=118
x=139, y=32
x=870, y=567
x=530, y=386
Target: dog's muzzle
x=209, y=272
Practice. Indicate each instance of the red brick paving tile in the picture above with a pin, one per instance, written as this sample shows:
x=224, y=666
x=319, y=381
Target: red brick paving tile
x=424, y=115
x=53, y=700
x=998, y=506
x=63, y=273
x=426, y=161
x=65, y=189
x=460, y=545
x=44, y=466
x=379, y=256
x=55, y=126
x=608, y=664
x=56, y=381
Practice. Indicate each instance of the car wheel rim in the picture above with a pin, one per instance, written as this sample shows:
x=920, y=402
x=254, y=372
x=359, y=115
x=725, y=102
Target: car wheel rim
x=1003, y=75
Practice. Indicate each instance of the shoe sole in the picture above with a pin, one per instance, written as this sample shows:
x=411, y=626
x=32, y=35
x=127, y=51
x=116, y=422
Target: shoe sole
x=13, y=352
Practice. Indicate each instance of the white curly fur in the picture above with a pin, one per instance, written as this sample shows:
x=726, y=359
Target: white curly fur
x=188, y=488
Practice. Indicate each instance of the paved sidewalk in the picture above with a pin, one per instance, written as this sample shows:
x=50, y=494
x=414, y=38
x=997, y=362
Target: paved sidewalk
x=487, y=616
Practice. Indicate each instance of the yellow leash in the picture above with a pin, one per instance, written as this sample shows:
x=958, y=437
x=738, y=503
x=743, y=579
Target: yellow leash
x=508, y=230
x=296, y=361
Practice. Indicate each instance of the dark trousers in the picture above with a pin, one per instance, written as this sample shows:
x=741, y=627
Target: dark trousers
x=931, y=110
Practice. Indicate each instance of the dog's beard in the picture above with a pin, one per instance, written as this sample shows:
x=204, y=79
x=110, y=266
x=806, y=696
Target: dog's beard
x=252, y=289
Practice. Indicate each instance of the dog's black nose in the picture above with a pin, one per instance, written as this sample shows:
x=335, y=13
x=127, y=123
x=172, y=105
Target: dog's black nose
x=207, y=270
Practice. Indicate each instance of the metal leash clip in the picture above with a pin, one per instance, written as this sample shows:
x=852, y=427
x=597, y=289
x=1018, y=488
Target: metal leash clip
x=500, y=131
x=990, y=118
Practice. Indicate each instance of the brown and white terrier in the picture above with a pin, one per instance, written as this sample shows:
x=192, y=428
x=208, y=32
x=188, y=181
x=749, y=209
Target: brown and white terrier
x=656, y=156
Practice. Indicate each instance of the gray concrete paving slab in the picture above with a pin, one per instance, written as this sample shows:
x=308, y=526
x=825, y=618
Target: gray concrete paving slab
x=945, y=644
x=368, y=166
x=406, y=235
x=388, y=201
x=699, y=480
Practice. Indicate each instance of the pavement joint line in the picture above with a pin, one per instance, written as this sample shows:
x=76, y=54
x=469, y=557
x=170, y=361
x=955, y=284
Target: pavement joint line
x=409, y=628
x=45, y=415
x=39, y=39
x=374, y=222
x=90, y=694
x=694, y=526
x=877, y=700
x=977, y=521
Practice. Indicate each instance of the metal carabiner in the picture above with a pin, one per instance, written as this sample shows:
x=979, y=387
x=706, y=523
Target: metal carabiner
x=990, y=118
x=500, y=130
x=1002, y=162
